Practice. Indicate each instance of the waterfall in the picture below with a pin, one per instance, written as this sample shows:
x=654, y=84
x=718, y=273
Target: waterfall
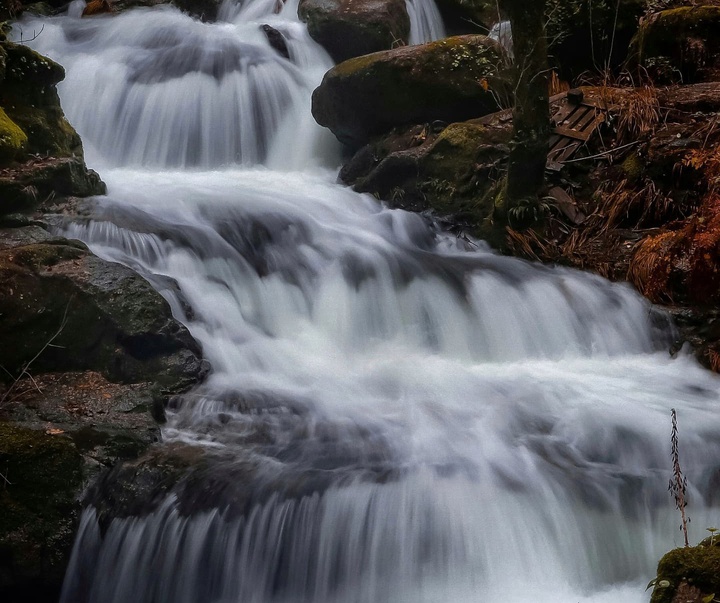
x=394, y=414
x=426, y=24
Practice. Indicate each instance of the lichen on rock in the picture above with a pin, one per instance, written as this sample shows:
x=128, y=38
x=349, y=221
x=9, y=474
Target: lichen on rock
x=688, y=575
x=451, y=80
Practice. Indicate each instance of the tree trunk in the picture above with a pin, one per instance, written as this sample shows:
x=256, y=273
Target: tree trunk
x=531, y=113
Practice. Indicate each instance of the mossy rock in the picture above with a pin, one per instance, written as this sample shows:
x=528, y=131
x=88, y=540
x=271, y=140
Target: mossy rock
x=449, y=80
x=457, y=170
x=29, y=97
x=99, y=315
x=682, y=39
x=695, y=569
x=40, y=508
x=25, y=187
x=13, y=140
x=27, y=69
x=48, y=132
x=352, y=28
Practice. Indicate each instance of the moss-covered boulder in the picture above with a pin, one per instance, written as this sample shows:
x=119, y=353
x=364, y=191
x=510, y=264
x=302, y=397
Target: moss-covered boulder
x=678, y=44
x=26, y=186
x=688, y=575
x=450, y=170
x=42, y=475
x=13, y=140
x=96, y=314
x=29, y=97
x=449, y=80
x=33, y=129
x=351, y=28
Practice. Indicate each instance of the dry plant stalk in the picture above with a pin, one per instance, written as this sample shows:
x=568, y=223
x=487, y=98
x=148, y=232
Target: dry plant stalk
x=639, y=113
x=678, y=483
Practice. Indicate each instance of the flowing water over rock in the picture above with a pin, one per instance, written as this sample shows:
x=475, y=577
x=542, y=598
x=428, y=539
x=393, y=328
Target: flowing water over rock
x=395, y=414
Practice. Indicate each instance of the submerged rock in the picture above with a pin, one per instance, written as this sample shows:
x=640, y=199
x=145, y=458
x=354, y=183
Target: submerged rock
x=351, y=28
x=276, y=40
x=449, y=80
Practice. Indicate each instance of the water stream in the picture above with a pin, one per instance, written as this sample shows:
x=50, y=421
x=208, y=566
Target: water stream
x=426, y=421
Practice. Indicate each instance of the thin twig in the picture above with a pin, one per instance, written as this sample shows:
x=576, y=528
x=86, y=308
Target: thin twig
x=25, y=370
x=620, y=148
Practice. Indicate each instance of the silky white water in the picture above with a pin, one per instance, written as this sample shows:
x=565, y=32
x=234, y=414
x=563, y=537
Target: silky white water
x=399, y=415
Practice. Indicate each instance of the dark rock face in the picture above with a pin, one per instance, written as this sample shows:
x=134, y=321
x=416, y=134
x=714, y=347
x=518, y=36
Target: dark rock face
x=351, y=28
x=449, y=169
x=276, y=40
x=29, y=98
x=205, y=10
x=25, y=186
x=90, y=355
x=41, y=155
x=679, y=44
x=106, y=317
x=449, y=80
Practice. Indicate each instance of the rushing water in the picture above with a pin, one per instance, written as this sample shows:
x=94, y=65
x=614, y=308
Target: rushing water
x=424, y=420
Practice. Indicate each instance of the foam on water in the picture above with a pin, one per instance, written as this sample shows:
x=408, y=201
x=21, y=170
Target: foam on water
x=398, y=415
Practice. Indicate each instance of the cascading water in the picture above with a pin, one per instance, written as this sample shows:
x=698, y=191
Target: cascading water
x=397, y=415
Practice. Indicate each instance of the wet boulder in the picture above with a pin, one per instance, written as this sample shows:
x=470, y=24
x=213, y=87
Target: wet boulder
x=65, y=309
x=351, y=28
x=449, y=169
x=276, y=40
x=454, y=79
x=25, y=186
x=679, y=44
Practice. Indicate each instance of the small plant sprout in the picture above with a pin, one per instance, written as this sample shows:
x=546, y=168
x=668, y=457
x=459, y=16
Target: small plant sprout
x=712, y=534
x=678, y=482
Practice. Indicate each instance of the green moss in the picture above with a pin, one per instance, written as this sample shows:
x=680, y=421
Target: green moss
x=13, y=140
x=633, y=168
x=668, y=35
x=40, y=503
x=43, y=255
x=48, y=132
x=697, y=566
x=454, y=152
